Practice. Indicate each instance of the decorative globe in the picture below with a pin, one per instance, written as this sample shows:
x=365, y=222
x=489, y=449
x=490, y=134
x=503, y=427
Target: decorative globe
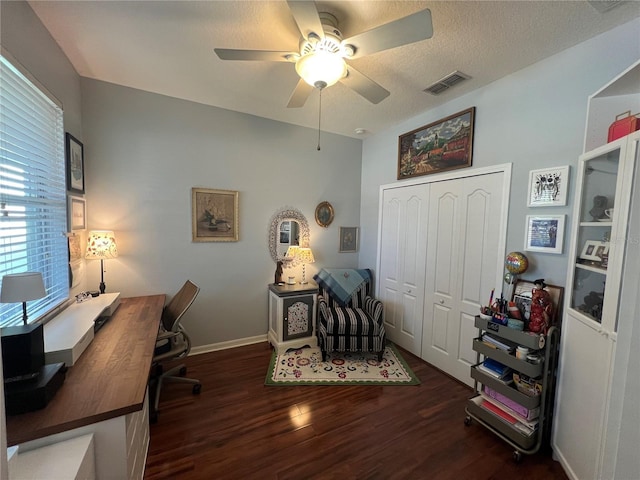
x=516, y=263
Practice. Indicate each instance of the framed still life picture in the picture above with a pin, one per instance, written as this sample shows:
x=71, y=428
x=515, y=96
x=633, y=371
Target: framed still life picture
x=544, y=233
x=75, y=164
x=214, y=215
x=548, y=187
x=348, y=239
x=440, y=146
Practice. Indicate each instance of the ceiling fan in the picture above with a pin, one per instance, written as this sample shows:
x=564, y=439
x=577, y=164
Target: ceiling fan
x=320, y=61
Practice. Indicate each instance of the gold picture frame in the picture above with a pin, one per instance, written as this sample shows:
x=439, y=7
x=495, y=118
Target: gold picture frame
x=214, y=215
x=324, y=214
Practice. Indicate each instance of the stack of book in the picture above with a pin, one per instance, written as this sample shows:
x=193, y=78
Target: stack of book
x=496, y=370
x=498, y=343
x=523, y=425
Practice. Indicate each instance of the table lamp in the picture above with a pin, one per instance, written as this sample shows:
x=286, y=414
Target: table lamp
x=291, y=252
x=22, y=287
x=305, y=255
x=101, y=244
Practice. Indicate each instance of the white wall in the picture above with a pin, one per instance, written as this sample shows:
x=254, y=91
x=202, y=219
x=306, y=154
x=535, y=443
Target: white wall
x=534, y=118
x=143, y=154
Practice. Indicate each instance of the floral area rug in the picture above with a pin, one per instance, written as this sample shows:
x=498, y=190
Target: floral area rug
x=304, y=366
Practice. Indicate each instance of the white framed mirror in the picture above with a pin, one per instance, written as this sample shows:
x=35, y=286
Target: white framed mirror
x=288, y=227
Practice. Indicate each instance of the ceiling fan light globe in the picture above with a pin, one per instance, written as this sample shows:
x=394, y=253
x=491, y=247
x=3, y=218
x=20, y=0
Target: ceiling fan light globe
x=321, y=67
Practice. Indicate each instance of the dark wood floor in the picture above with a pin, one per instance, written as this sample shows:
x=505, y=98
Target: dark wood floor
x=238, y=428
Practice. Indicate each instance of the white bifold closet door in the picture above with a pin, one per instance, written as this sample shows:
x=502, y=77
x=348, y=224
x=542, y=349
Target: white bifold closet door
x=403, y=236
x=463, y=260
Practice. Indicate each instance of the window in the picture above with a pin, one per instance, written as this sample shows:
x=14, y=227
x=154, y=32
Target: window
x=32, y=191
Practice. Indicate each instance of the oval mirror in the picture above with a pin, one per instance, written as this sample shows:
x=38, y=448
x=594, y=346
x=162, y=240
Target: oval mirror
x=288, y=227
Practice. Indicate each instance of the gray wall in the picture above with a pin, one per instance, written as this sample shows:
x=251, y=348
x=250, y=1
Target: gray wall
x=534, y=118
x=144, y=152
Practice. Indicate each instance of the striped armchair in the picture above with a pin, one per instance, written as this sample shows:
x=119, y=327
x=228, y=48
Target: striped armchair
x=351, y=324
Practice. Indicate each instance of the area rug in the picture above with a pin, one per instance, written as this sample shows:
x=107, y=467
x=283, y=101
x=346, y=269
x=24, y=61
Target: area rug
x=304, y=366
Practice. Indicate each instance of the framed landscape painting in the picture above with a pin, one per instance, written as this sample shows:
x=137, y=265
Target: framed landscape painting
x=440, y=146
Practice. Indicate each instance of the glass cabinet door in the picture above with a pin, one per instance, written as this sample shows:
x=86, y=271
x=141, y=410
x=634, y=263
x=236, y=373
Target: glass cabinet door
x=602, y=202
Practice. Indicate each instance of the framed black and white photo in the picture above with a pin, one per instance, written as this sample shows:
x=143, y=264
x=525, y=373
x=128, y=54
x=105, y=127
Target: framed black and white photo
x=348, y=239
x=77, y=212
x=544, y=233
x=75, y=164
x=594, y=251
x=548, y=187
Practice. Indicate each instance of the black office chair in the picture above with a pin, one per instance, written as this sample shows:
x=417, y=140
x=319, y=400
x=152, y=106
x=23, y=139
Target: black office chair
x=173, y=343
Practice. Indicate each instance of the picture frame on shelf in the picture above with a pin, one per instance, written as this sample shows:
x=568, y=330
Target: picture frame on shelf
x=76, y=213
x=548, y=187
x=544, y=233
x=74, y=152
x=595, y=251
x=214, y=215
x=349, y=239
x=446, y=144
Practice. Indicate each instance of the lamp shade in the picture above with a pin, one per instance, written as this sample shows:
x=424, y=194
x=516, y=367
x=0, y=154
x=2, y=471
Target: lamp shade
x=292, y=251
x=101, y=244
x=22, y=287
x=305, y=255
x=321, y=66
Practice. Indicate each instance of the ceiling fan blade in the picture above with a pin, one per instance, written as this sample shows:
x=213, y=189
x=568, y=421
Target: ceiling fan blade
x=403, y=31
x=262, y=55
x=363, y=85
x=306, y=16
x=300, y=94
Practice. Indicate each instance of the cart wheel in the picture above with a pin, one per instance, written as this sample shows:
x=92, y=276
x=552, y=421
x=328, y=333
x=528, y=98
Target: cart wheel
x=197, y=388
x=467, y=420
x=183, y=371
x=517, y=456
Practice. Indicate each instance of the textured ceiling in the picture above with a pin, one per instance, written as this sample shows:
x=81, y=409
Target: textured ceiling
x=166, y=47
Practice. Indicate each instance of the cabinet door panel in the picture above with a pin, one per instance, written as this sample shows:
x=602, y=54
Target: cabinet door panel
x=582, y=397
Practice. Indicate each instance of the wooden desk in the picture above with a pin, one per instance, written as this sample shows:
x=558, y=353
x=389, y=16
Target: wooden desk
x=109, y=380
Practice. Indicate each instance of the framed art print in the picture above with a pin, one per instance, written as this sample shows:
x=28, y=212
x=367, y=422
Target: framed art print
x=77, y=211
x=548, y=187
x=544, y=233
x=214, y=215
x=438, y=147
x=348, y=239
x=75, y=164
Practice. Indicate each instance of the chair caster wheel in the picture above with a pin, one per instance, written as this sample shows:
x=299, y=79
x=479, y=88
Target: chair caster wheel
x=183, y=371
x=517, y=456
x=153, y=417
x=467, y=421
x=197, y=388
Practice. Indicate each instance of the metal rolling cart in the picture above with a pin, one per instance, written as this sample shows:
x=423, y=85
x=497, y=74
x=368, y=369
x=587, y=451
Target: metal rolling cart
x=544, y=372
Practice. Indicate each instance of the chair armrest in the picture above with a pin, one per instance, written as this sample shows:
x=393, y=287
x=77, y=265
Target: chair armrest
x=374, y=307
x=323, y=308
x=166, y=336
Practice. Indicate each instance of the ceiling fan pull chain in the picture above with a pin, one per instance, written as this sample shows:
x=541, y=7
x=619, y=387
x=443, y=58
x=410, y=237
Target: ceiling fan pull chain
x=319, y=115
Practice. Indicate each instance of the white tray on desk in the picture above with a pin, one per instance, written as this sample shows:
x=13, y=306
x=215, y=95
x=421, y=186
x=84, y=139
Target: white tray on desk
x=68, y=334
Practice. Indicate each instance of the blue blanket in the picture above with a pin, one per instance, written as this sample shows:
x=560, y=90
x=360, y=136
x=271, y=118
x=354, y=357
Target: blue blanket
x=341, y=283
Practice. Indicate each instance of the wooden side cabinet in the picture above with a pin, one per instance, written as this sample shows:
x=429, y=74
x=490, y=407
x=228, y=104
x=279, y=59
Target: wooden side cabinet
x=292, y=316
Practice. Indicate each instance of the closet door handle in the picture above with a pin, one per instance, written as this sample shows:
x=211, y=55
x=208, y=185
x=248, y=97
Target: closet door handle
x=441, y=302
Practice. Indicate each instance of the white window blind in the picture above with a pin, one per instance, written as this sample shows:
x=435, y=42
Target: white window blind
x=32, y=192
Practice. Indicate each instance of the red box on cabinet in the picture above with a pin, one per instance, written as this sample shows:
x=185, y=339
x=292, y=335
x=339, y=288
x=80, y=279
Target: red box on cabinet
x=623, y=126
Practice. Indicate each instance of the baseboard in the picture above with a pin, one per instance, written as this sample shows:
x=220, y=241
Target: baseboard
x=214, y=347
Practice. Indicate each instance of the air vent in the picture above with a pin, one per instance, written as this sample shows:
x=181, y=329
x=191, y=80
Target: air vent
x=605, y=5
x=446, y=83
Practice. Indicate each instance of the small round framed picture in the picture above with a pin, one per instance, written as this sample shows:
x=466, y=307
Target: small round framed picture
x=324, y=214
